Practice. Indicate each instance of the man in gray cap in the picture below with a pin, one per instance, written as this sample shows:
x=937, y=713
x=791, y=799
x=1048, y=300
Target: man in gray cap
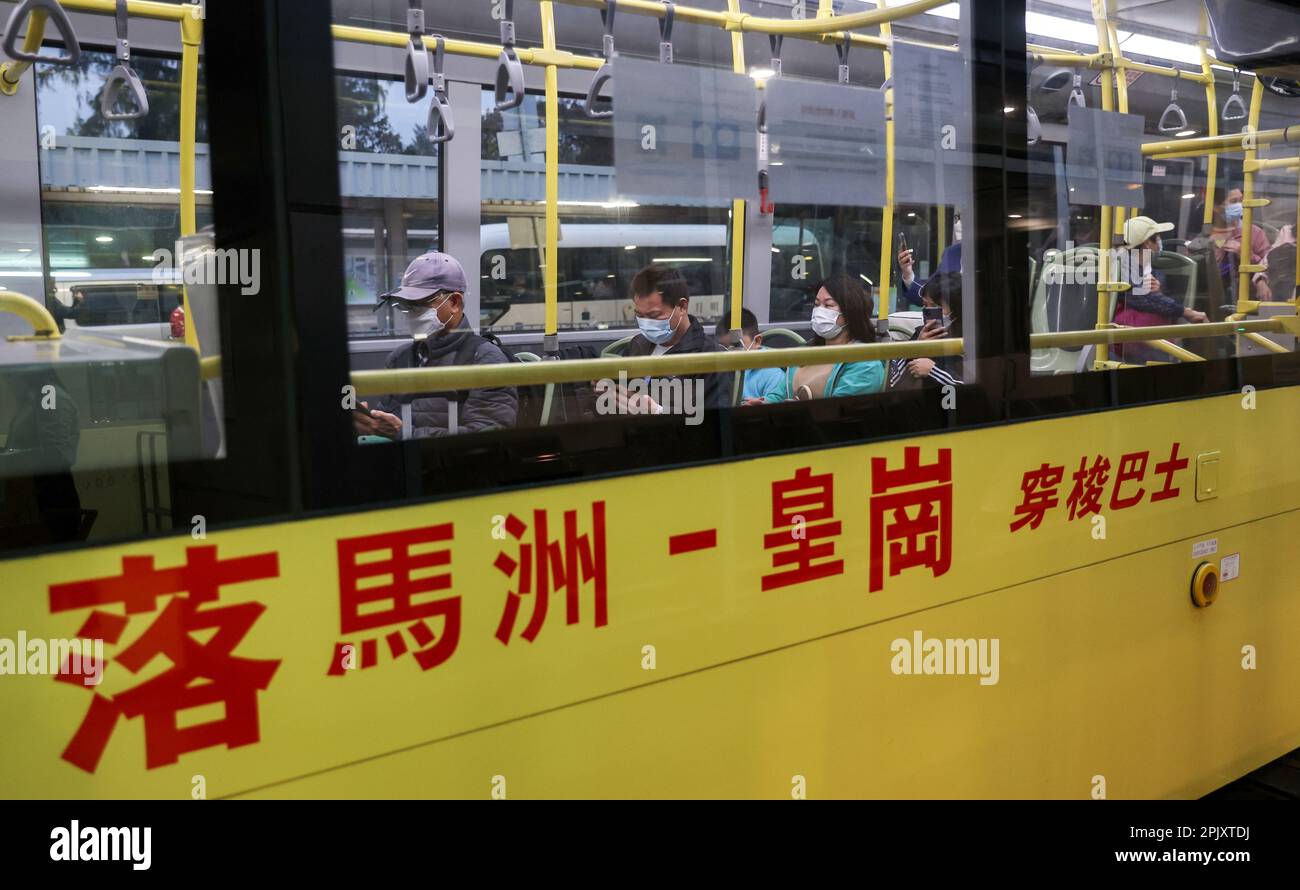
x=433, y=297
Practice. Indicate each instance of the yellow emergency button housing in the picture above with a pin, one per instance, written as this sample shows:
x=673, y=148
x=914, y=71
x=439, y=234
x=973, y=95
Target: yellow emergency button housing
x=1205, y=584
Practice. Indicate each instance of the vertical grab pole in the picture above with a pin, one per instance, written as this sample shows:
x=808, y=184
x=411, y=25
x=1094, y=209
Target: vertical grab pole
x=887, y=214
x=737, y=207
x=1245, y=266
x=551, y=269
x=1212, y=104
x=1121, y=89
x=191, y=40
x=1104, y=232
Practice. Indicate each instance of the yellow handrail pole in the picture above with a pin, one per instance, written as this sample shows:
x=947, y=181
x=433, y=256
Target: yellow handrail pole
x=1099, y=60
x=1121, y=88
x=191, y=41
x=1230, y=142
x=1294, y=297
x=1178, y=352
x=885, y=290
x=12, y=72
x=1104, y=232
x=1260, y=340
x=1212, y=128
x=734, y=20
x=551, y=271
x=737, y=207
x=43, y=324
x=1245, y=266
x=455, y=47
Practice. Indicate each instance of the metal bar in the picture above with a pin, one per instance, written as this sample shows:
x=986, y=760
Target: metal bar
x=733, y=20
x=11, y=72
x=1104, y=232
x=1212, y=113
x=1227, y=143
x=1057, y=339
x=1260, y=340
x=147, y=9
x=1121, y=89
x=737, y=206
x=191, y=42
x=32, y=312
x=551, y=273
x=1244, y=291
x=885, y=290
x=1177, y=351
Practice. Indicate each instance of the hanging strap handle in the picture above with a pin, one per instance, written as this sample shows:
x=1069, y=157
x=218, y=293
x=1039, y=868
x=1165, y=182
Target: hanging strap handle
x=123, y=78
x=53, y=13
x=592, y=107
x=1235, y=109
x=775, y=41
x=1076, y=95
x=1173, y=119
x=509, y=92
x=1033, y=128
x=666, y=32
x=842, y=50
x=417, y=56
x=441, y=127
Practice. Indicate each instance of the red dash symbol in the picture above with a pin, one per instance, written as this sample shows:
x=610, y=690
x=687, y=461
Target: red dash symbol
x=692, y=541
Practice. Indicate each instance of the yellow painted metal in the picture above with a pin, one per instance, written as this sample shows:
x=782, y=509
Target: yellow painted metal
x=11, y=72
x=527, y=373
x=1230, y=142
x=1244, y=291
x=145, y=9
x=1271, y=164
x=210, y=367
x=1101, y=60
x=1121, y=88
x=43, y=324
x=734, y=20
x=191, y=43
x=1104, y=230
x=737, y=207
x=551, y=272
x=1212, y=113
x=1177, y=352
x=885, y=289
x=729, y=696
x=528, y=56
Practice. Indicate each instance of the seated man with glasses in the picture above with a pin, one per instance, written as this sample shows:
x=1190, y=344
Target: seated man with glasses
x=433, y=297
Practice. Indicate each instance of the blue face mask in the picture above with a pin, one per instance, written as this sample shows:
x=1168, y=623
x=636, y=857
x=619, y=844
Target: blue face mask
x=657, y=330
x=1233, y=212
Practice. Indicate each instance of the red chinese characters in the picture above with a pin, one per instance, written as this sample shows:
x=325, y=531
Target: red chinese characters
x=804, y=506
x=911, y=511
x=395, y=580
x=1128, y=486
x=196, y=674
x=541, y=566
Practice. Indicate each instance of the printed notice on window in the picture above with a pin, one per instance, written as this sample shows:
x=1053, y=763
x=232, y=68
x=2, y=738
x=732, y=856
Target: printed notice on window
x=1103, y=158
x=932, y=127
x=826, y=143
x=684, y=134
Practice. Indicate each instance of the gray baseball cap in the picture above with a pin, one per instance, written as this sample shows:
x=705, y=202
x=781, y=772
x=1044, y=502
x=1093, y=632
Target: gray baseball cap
x=428, y=274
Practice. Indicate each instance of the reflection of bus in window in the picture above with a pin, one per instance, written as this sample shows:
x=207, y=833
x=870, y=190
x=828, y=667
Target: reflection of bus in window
x=120, y=296
x=597, y=264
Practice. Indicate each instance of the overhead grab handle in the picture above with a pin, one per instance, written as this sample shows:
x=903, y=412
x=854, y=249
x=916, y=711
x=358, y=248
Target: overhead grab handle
x=417, y=56
x=1076, y=94
x=1235, y=109
x=775, y=41
x=842, y=50
x=592, y=107
x=1173, y=120
x=510, y=71
x=1033, y=129
x=53, y=13
x=123, y=78
x=666, y=33
x=441, y=127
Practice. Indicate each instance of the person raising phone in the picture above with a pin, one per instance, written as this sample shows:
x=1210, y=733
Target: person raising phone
x=942, y=315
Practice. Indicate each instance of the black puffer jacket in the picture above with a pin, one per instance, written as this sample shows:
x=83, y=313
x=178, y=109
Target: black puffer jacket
x=477, y=411
x=717, y=387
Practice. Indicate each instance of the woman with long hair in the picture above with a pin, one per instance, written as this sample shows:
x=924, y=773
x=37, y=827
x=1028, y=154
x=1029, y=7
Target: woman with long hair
x=840, y=316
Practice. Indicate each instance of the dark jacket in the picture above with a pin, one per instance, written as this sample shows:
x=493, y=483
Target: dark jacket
x=717, y=387
x=478, y=410
x=947, y=370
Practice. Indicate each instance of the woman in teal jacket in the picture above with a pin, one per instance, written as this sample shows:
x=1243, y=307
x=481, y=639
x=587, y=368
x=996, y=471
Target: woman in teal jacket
x=841, y=316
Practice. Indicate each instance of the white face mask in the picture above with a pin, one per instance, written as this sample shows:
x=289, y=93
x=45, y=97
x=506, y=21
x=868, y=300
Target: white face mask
x=956, y=231
x=427, y=321
x=824, y=322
